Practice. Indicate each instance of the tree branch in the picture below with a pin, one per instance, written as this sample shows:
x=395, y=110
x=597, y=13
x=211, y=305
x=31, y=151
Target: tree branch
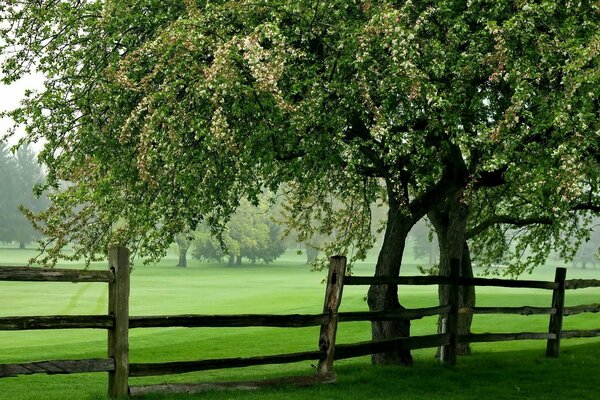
x=509, y=220
x=491, y=178
x=587, y=207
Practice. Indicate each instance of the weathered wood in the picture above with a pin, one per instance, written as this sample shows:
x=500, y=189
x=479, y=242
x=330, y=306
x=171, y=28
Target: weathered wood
x=444, y=280
x=118, y=336
x=584, y=308
x=56, y=322
x=28, y=274
x=443, y=330
x=180, y=367
x=453, y=301
x=399, y=280
x=174, y=388
x=343, y=351
x=525, y=310
x=581, y=283
x=501, y=337
x=508, y=283
x=190, y=321
x=388, y=315
x=57, y=367
x=555, y=323
x=333, y=299
x=580, y=333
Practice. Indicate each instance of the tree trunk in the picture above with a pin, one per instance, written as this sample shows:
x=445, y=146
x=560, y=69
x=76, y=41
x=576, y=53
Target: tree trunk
x=182, y=257
x=231, y=260
x=238, y=260
x=450, y=222
x=385, y=297
x=183, y=245
x=311, y=253
x=22, y=245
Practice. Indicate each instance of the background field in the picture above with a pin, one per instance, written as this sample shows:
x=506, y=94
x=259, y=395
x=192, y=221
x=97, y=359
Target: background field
x=497, y=370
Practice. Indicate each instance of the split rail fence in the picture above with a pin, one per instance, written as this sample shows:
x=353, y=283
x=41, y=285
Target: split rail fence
x=118, y=322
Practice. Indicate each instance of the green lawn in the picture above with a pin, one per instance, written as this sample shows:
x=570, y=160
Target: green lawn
x=497, y=370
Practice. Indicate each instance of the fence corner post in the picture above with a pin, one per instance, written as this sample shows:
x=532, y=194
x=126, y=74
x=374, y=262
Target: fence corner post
x=453, y=300
x=333, y=299
x=118, y=336
x=558, y=303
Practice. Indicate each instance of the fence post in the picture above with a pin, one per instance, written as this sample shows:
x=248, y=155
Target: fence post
x=333, y=298
x=558, y=302
x=443, y=348
x=118, y=307
x=453, y=299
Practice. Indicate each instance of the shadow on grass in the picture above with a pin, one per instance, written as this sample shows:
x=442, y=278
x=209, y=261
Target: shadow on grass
x=482, y=375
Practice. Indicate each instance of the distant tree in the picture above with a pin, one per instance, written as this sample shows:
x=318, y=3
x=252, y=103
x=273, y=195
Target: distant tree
x=19, y=174
x=206, y=246
x=424, y=242
x=183, y=244
x=252, y=233
x=589, y=252
x=8, y=206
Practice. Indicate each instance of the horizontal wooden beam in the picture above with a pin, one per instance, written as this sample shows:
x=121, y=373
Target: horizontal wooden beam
x=508, y=283
x=580, y=334
x=390, y=315
x=343, y=351
x=526, y=310
x=186, y=388
x=180, y=367
x=584, y=308
x=398, y=280
x=28, y=274
x=581, y=283
x=501, y=337
x=444, y=280
x=57, y=322
x=190, y=321
x=57, y=367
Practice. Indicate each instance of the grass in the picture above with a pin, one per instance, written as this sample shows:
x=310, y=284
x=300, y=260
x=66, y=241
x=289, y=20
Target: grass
x=496, y=370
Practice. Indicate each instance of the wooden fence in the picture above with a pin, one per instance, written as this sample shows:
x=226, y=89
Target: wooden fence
x=118, y=322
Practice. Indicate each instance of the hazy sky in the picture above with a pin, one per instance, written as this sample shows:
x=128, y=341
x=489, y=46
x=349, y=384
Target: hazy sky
x=10, y=96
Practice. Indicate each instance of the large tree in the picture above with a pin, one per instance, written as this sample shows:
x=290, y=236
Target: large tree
x=159, y=114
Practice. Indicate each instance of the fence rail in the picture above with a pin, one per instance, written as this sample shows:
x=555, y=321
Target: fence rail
x=57, y=322
x=57, y=367
x=28, y=274
x=582, y=283
x=220, y=321
x=117, y=322
x=179, y=367
x=390, y=315
x=445, y=280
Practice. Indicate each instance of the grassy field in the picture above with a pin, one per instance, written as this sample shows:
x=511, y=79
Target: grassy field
x=499, y=370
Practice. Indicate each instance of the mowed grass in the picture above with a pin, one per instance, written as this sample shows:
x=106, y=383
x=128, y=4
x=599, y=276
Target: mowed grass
x=496, y=370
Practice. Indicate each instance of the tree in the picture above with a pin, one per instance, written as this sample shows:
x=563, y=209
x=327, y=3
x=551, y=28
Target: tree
x=8, y=206
x=589, y=252
x=424, y=242
x=252, y=233
x=163, y=114
x=183, y=245
x=20, y=174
